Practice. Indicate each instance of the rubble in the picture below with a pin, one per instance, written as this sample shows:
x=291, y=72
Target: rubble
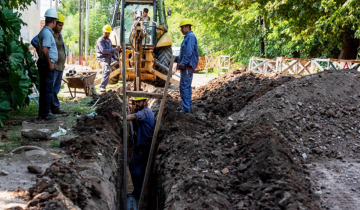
x=35, y=169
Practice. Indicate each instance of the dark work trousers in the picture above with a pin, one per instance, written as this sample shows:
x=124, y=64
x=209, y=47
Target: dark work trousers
x=46, y=87
x=55, y=104
x=186, y=78
x=137, y=168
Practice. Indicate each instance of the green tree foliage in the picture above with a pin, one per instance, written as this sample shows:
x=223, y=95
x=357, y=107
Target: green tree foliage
x=299, y=28
x=98, y=17
x=17, y=69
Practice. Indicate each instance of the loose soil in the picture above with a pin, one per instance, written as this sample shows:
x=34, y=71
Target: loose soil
x=251, y=138
x=90, y=177
x=251, y=142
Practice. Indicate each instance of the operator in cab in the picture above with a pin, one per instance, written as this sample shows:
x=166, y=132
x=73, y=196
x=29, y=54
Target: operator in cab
x=145, y=15
x=104, y=53
x=187, y=62
x=144, y=124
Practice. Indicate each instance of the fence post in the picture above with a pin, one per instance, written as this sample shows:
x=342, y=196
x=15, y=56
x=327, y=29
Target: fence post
x=218, y=64
x=280, y=65
x=250, y=63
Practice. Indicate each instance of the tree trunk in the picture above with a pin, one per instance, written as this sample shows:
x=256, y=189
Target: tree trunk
x=80, y=34
x=349, y=47
x=262, y=43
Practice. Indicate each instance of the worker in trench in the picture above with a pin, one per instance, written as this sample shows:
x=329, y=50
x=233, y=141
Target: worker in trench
x=144, y=124
x=104, y=53
x=187, y=62
x=59, y=65
x=48, y=56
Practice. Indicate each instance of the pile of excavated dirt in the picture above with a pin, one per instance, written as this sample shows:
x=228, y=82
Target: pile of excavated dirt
x=259, y=153
x=91, y=179
x=233, y=92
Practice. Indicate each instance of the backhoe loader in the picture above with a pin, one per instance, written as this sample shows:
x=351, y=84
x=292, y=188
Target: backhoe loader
x=148, y=45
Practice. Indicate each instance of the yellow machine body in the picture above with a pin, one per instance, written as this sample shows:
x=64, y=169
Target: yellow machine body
x=164, y=41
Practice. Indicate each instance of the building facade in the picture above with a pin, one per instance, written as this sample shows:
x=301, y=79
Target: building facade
x=31, y=17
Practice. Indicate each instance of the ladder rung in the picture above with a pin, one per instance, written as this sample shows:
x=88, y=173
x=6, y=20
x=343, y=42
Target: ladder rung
x=144, y=94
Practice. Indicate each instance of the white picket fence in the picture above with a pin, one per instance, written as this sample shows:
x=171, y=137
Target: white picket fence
x=217, y=61
x=298, y=66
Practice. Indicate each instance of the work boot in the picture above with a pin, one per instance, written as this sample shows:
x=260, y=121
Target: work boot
x=183, y=111
x=48, y=117
x=102, y=90
x=59, y=111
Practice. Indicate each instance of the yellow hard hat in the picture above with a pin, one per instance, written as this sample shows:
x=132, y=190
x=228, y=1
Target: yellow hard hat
x=185, y=22
x=107, y=29
x=61, y=18
x=139, y=98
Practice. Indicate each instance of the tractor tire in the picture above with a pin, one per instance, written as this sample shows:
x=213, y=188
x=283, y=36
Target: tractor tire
x=163, y=55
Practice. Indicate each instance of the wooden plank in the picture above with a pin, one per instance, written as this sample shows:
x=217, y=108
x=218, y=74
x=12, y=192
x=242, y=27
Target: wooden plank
x=259, y=58
x=290, y=65
x=299, y=59
x=144, y=94
x=318, y=65
x=304, y=67
x=258, y=65
x=156, y=130
x=162, y=76
x=342, y=60
x=112, y=74
x=321, y=59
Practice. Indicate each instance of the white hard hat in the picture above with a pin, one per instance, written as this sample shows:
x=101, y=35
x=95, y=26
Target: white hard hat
x=51, y=13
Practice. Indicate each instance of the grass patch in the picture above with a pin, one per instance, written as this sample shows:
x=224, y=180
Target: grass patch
x=13, y=141
x=55, y=143
x=6, y=148
x=80, y=105
x=27, y=111
x=70, y=121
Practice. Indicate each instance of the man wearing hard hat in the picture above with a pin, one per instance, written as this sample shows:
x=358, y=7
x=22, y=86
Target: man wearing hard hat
x=48, y=56
x=59, y=65
x=104, y=53
x=187, y=63
x=144, y=124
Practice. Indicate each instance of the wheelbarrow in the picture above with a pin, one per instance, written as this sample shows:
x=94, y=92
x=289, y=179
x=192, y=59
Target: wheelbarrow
x=83, y=82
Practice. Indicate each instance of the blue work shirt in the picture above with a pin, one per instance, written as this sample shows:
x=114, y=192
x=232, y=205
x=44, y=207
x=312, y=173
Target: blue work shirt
x=46, y=39
x=189, y=52
x=35, y=41
x=104, y=50
x=145, y=124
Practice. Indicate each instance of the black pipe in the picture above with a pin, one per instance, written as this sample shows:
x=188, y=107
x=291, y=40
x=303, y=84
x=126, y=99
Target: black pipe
x=154, y=30
x=123, y=73
x=115, y=12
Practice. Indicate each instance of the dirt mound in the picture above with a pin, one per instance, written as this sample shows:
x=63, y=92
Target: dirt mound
x=318, y=115
x=235, y=90
x=258, y=157
x=91, y=179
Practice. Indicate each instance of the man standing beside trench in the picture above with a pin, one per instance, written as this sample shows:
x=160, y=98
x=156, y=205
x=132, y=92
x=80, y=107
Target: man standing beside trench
x=187, y=63
x=104, y=53
x=48, y=56
x=59, y=65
